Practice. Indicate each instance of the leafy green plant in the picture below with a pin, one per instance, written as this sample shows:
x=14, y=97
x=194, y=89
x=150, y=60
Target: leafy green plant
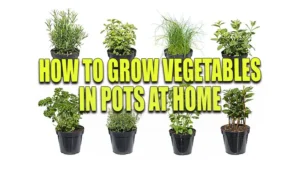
x=236, y=42
x=119, y=37
x=65, y=34
x=178, y=35
x=235, y=107
x=181, y=122
x=122, y=121
x=62, y=108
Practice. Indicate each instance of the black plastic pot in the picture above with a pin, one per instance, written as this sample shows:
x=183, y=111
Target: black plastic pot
x=118, y=57
x=235, y=142
x=182, y=144
x=70, y=142
x=122, y=142
x=189, y=55
x=240, y=61
x=74, y=55
x=130, y=57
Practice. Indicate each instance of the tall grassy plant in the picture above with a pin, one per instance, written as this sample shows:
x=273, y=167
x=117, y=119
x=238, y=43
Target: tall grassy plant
x=178, y=35
x=65, y=35
x=122, y=121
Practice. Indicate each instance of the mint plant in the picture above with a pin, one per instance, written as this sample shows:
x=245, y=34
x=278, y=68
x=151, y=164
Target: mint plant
x=65, y=35
x=178, y=35
x=122, y=121
x=63, y=109
x=119, y=37
x=181, y=122
x=236, y=42
x=235, y=107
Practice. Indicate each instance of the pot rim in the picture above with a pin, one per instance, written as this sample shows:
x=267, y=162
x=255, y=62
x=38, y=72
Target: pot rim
x=172, y=131
x=123, y=132
x=223, y=129
x=81, y=128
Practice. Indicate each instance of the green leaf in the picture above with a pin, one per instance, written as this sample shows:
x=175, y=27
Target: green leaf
x=190, y=131
x=219, y=47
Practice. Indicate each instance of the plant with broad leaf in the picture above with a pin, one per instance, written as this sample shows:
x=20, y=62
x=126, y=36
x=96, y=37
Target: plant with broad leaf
x=119, y=37
x=235, y=107
x=236, y=42
x=181, y=122
x=63, y=109
x=65, y=34
x=123, y=121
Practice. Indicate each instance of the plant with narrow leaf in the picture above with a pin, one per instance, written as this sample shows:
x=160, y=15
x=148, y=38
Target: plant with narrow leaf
x=235, y=107
x=236, y=42
x=122, y=121
x=181, y=122
x=178, y=35
x=119, y=37
x=63, y=109
x=65, y=35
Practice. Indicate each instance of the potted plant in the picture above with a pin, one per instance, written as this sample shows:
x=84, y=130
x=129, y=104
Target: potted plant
x=235, y=133
x=119, y=38
x=65, y=35
x=182, y=132
x=178, y=36
x=63, y=109
x=122, y=129
x=235, y=43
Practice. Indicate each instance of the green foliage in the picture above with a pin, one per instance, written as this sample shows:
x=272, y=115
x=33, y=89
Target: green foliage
x=181, y=122
x=119, y=37
x=236, y=42
x=122, y=121
x=235, y=106
x=62, y=108
x=65, y=34
x=178, y=35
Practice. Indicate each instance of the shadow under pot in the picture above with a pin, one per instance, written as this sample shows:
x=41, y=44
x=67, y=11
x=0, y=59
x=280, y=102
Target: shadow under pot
x=235, y=142
x=178, y=56
x=122, y=142
x=73, y=55
x=70, y=142
x=182, y=143
x=240, y=65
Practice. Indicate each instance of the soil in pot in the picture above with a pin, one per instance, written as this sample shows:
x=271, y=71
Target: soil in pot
x=118, y=57
x=122, y=142
x=240, y=62
x=235, y=141
x=70, y=142
x=182, y=143
x=189, y=55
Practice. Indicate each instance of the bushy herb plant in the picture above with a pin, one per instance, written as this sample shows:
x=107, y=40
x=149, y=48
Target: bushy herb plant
x=122, y=121
x=178, y=35
x=65, y=35
x=119, y=37
x=63, y=109
x=181, y=122
x=235, y=107
x=236, y=42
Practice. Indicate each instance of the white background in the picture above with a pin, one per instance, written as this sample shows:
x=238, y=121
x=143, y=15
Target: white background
x=28, y=139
